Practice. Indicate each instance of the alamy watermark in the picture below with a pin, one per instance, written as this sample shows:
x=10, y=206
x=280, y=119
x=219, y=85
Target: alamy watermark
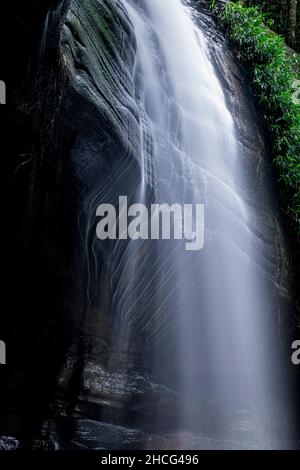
x=2, y=353
x=2, y=92
x=296, y=353
x=160, y=222
x=296, y=94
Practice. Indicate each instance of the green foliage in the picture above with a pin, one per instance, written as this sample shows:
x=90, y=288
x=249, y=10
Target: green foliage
x=213, y=5
x=275, y=9
x=273, y=72
x=278, y=11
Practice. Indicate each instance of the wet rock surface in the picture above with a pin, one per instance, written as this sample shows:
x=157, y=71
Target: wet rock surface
x=8, y=443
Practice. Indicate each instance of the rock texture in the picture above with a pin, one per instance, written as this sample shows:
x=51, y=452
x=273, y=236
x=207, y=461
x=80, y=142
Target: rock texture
x=8, y=443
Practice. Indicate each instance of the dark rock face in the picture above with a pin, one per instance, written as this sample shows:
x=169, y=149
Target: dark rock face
x=87, y=150
x=8, y=443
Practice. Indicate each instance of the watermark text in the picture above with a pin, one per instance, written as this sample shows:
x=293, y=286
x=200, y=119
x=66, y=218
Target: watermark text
x=2, y=353
x=296, y=353
x=160, y=222
x=2, y=92
x=296, y=94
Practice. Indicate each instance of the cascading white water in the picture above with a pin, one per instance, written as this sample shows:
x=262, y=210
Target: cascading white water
x=212, y=305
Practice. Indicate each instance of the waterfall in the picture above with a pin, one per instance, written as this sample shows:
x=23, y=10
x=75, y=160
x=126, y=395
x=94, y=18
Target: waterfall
x=141, y=343
x=203, y=316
